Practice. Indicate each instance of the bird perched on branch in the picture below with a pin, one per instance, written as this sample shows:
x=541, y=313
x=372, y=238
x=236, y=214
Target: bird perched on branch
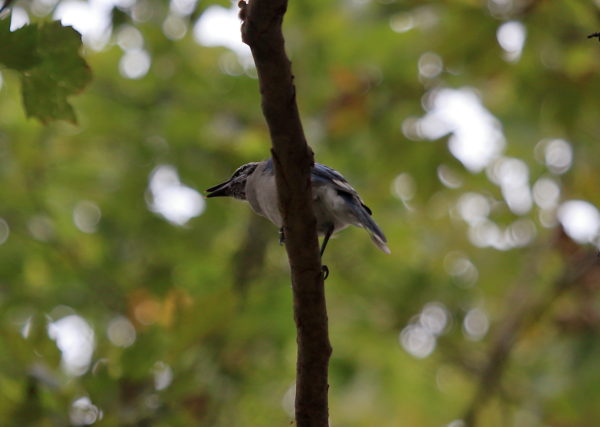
x=336, y=204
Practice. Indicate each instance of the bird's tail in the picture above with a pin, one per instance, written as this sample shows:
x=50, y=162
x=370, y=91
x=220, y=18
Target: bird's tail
x=375, y=232
x=380, y=241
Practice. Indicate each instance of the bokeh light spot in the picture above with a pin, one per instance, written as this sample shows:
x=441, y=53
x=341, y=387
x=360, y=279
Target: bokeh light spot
x=288, y=400
x=434, y=317
x=546, y=193
x=476, y=324
x=521, y=232
x=402, y=22
x=500, y=8
x=163, y=375
x=75, y=339
x=41, y=228
x=134, y=63
x=404, y=186
x=86, y=216
x=512, y=175
x=218, y=26
x=430, y=65
x=91, y=19
x=473, y=208
x=580, y=219
x=558, y=155
x=42, y=8
x=174, y=27
x=486, y=234
x=121, y=332
x=419, y=338
x=173, y=200
x=449, y=177
x=458, y=265
x=476, y=136
x=183, y=7
x=129, y=37
x=83, y=412
x=511, y=37
x=418, y=341
x=18, y=18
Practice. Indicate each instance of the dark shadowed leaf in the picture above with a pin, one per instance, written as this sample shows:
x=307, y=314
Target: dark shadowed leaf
x=47, y=56
x=61, y=72
x=18, y=50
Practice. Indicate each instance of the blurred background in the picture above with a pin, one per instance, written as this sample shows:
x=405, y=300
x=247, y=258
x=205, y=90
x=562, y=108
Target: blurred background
x=469, y=127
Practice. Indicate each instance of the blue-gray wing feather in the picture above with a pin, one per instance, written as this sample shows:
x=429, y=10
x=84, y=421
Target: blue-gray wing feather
x=322, y=175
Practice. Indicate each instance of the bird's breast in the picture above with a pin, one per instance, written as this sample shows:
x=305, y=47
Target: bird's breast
x=261, y=193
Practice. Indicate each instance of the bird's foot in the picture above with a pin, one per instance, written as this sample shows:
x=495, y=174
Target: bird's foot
x=281, y=236
x=325, y=271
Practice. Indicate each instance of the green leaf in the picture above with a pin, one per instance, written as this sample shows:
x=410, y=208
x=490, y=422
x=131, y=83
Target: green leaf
x=62, y=72
x=47, y=56
x=43, y=98
x=19, y=47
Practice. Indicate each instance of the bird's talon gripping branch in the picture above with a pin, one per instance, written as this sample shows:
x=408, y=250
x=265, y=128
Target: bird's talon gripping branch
x=281, y=236
x=325, y=271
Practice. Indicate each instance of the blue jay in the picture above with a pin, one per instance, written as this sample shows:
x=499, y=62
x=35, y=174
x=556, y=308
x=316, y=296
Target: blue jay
x=336, y=204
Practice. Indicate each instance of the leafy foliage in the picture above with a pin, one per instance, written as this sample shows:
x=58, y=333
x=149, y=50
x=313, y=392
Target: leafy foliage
x=191, y=325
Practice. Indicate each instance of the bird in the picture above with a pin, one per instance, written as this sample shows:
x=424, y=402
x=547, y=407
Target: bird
x=336, y=203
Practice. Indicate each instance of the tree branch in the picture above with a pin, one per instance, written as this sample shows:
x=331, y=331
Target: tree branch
x=525, y=310
x=293, y=160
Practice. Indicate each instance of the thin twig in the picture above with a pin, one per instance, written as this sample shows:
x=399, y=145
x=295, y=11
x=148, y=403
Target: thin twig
x=594, y=35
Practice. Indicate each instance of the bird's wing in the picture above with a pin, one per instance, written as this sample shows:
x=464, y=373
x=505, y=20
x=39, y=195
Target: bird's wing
x=322, y=175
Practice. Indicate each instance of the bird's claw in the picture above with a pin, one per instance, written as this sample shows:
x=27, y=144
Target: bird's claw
x=281, y=237
x=325, y=271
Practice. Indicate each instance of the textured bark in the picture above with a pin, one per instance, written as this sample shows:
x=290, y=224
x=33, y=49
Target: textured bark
x=293, y=159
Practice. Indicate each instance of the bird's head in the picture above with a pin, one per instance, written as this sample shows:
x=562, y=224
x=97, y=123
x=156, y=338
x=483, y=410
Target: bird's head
x=236, y=185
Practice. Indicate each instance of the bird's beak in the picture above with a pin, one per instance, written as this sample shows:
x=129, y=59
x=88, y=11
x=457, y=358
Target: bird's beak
x=221, y=190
